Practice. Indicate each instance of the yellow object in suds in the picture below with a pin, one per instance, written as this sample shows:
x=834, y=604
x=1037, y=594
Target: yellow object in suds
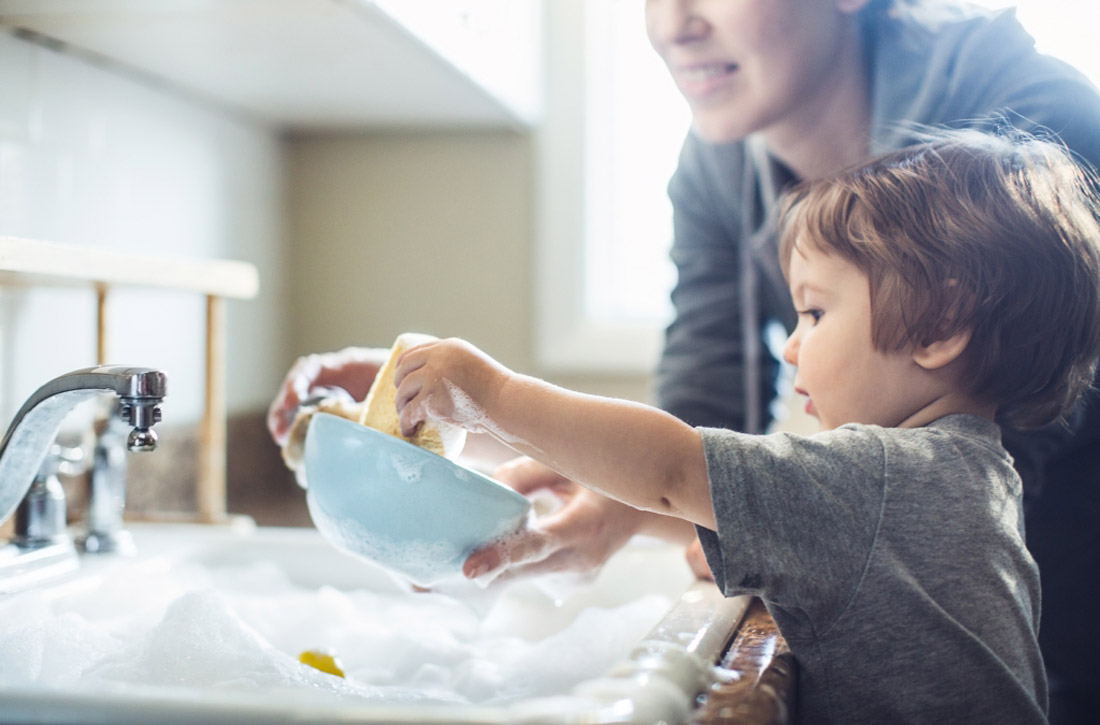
x=322, y=660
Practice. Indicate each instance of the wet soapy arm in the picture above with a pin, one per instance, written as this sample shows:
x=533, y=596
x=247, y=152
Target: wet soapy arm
x=634, y=453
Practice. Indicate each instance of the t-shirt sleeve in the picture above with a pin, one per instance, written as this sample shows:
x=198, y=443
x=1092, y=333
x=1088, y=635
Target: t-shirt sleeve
x=796, y=516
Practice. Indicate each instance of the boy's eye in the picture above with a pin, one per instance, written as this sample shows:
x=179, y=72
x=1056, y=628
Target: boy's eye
x=813, y=314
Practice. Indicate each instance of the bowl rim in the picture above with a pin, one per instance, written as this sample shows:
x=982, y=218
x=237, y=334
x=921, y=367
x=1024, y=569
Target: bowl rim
x=359, y=429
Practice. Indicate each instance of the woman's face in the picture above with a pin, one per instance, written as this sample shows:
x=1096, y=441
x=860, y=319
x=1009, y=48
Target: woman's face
x=746, y=66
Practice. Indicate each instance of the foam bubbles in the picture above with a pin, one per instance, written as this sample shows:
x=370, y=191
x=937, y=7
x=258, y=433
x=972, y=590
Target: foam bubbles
x=474, y=418
x=240, y=629
x=202, y=642
x=409, y=468
x=419, y=559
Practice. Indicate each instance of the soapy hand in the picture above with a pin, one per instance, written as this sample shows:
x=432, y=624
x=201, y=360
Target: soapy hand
x=580, y=536
x=446, y=380
x=352, y=369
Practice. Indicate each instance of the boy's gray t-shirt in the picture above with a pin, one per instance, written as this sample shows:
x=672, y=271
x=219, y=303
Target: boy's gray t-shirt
x=893, y=561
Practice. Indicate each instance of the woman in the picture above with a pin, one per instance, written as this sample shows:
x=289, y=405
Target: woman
x=784, y=90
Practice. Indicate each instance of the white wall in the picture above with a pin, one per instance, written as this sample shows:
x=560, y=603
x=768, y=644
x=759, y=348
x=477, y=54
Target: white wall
x=91, y=157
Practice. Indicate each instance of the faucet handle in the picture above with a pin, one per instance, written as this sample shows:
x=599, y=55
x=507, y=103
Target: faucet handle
x=40, y=519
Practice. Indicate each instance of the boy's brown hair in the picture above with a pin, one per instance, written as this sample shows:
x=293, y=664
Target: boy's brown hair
x=967, y=230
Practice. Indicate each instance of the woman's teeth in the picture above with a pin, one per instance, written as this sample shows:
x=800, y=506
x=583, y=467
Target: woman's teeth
x=705, y=72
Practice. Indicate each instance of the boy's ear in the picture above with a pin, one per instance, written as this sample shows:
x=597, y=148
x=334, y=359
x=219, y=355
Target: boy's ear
x=941, y=352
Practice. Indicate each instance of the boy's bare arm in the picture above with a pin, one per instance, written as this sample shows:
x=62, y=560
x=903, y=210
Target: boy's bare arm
x=632, y=452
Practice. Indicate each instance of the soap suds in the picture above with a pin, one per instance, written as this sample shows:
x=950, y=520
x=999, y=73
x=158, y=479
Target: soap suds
x=419, y=559
x=474, y=418
x=409, y=468
x=239, y=628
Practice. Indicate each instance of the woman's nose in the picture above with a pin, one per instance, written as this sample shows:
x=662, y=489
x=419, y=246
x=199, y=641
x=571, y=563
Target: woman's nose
x=669, y=22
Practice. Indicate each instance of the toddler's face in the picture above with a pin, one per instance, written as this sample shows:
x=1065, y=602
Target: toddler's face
x=844, y=378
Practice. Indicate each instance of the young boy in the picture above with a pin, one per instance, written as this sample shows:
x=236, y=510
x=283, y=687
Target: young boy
x=935, y=287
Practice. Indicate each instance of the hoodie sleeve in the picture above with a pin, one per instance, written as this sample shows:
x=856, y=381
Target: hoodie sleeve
x=971, y=67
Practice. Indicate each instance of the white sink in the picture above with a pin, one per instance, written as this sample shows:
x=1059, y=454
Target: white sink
x=206, y=623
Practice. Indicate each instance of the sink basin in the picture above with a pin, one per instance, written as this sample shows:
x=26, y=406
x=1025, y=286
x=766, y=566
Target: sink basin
x=206, y=624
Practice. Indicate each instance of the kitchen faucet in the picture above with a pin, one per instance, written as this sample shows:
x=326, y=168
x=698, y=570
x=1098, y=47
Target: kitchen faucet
x=27, y=442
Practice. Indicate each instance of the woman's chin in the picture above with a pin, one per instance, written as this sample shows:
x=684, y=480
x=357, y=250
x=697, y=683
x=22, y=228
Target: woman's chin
x=716, y=126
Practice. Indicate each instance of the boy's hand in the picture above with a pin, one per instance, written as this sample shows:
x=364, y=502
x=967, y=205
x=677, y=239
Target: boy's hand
x=448, y=380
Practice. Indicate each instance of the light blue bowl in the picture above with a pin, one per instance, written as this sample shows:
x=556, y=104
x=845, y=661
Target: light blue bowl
x=400, y=506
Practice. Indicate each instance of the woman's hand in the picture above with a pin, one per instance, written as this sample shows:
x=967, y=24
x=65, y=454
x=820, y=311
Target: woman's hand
x=697, y=560
x=580, y=536
x=352, y=369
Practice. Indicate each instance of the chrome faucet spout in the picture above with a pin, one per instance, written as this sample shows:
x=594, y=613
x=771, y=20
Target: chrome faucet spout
x=24, y=446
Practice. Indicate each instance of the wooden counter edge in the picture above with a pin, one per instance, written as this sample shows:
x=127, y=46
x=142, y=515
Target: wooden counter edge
x=759, y=682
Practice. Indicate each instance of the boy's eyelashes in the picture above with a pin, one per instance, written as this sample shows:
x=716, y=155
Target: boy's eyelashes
x=811, y=312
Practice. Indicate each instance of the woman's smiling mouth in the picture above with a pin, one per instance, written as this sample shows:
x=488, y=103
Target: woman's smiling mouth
x=701, y=79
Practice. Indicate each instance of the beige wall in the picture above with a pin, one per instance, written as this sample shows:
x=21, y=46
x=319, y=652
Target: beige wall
x=423, y=231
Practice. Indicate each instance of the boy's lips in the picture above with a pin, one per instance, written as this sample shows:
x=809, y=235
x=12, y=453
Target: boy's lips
x=809, y=407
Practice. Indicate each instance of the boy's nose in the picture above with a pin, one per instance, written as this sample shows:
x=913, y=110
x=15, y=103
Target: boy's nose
x=790, y=349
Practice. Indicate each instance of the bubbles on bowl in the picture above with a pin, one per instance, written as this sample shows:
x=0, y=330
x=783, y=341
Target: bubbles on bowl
x=407, y=468
x=419, y=559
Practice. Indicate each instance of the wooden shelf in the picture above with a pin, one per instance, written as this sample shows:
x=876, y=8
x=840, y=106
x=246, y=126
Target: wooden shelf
x=31, y=262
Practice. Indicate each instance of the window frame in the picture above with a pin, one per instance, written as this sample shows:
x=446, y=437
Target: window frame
x=568, y=337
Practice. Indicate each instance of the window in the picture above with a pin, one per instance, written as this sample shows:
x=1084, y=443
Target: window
x=614, y=126
x=636, y=122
